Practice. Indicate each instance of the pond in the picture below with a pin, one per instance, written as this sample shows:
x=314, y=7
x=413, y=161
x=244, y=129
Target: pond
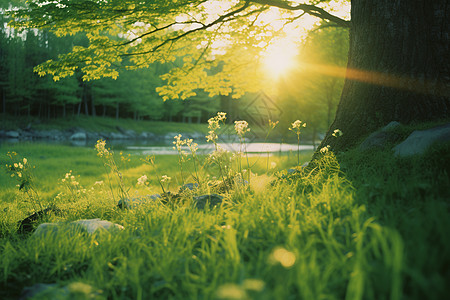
x=147, y=147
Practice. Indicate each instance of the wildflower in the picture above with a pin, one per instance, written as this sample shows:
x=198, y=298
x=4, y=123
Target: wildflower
x=273, y=124
x=192, y=146
x=101, y=148
x=325, y=149
x=165, y=178
x=16, y=165
x=337, y=133
x=221, y=116
x=213, y=125
x=241, y=127
x=142, y=180
x=297, y=125
x=273, y=165
x=212, y=136
x=101, y=182
x=25, y=161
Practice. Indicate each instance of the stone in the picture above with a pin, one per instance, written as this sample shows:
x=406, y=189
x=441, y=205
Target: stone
x=147, y=135
x=381, y=138
x=27, y=224
x=74, y=290
x=128, y=132
x=212, y=199
x=78, y=136
x=136, y=202
x=118, y=136
x=421, y=140
x=89, y=225
x=12, y=134
x=170, y=136
x=188, y=186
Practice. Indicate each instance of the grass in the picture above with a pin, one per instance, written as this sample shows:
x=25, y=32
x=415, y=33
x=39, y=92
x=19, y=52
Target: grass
x=97, y=124
x=360, y=226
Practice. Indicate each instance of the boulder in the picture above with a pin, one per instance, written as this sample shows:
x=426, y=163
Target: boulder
x=136, y=202
x=78, y=136
x=147, y=136
x=381, y=138
x=212, y=199
x=50, y=134
x=118, y=136
x=170, y=136
x=188, y=186
x=12, y=134
x=420, y=140
x=90, y=226
x=128, y=132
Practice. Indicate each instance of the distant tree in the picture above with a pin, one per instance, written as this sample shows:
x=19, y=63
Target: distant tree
x=397, y=67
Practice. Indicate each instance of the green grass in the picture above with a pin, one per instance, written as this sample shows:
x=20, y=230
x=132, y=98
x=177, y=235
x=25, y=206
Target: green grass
x=98, y=124
x=361, y=226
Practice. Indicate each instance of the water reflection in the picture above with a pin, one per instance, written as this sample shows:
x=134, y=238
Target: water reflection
x=147, y=147
x=252, y=148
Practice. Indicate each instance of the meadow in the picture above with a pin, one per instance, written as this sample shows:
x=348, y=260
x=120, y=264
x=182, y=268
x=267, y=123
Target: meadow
x=360, y=225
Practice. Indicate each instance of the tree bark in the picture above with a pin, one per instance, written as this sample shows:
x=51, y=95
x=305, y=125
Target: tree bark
x=398, y=68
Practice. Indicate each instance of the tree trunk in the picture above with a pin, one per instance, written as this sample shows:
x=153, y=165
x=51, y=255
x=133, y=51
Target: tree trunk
x=398, y=68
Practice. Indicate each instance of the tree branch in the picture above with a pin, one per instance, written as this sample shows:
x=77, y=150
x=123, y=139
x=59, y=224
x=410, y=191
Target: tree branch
x=223, y=18
x=307, y=8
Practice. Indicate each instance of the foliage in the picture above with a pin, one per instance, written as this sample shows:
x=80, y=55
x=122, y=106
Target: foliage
x=351, y=229
x=217, y=41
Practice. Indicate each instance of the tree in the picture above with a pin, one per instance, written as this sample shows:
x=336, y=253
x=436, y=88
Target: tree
x=397, y=67
x=311, y=92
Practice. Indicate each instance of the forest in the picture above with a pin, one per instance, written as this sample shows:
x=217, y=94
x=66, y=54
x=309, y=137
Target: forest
x=134, y=93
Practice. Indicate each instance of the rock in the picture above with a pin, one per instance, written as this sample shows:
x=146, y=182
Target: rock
x=90, y=226
x=135, y=202
x=128, y=132
x=78, y=136
x=188, y=186
x=74, y=290
x=26, y=225
x=93, y=136
x=50, y=134
x=212, y=199
x=147, y=135
x=12, y=134
x=381, y=138
x=420, y=140
x=196, y=136
x=118, y=136
x=170, y=136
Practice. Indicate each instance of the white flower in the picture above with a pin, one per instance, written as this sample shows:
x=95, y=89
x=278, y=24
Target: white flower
x=165, y=178
x=142, y=180
x=241, y=127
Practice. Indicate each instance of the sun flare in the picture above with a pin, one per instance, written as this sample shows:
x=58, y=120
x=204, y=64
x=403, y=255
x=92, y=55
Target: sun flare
x=279, y=58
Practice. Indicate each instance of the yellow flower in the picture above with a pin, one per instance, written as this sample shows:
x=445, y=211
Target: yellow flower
x=241, y=127
x=337, y=133
x=25, y=161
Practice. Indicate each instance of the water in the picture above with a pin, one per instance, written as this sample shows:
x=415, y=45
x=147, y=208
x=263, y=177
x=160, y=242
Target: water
x=147, y=147
x=251, y=148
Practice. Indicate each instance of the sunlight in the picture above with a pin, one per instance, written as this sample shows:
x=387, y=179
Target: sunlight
x=280, y=57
